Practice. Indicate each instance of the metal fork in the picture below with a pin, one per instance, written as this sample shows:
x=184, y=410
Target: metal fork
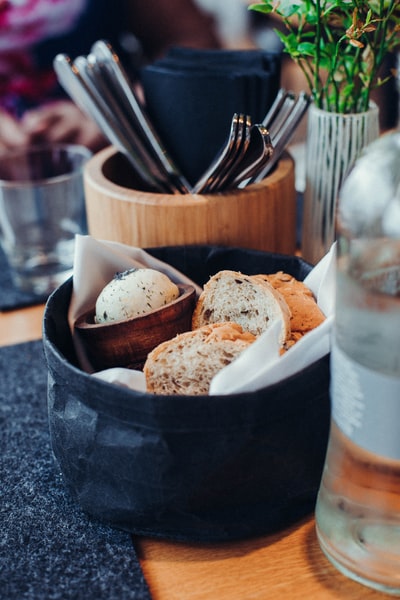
x=242, y=141
x=259, y=152
x=251, y=152
x=224, y=158
x=282, y=130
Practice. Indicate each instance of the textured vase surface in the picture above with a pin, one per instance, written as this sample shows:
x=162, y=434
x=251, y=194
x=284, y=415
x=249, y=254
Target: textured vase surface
x=334, y=142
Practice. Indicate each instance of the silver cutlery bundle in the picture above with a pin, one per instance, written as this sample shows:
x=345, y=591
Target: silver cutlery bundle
x=100, y=86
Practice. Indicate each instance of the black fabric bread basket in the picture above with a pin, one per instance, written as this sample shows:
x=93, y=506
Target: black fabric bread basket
x=205, y=468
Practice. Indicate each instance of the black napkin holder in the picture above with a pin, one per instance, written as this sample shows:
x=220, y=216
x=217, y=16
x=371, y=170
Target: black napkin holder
x=199, y=468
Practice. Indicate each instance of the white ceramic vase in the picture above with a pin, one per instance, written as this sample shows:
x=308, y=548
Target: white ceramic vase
x=334, y=142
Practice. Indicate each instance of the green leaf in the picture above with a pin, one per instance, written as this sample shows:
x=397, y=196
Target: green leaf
x=289, y=11
x=288, y=39
x=306, y=48
x=262, y=8
x=348, y=89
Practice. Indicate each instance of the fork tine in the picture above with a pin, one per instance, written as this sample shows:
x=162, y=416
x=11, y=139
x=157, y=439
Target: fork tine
x=242, y=144
x=206, y=179
x=259, y=152
x=285, y=134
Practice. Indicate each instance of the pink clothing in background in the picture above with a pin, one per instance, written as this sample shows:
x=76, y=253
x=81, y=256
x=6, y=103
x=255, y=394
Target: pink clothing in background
x=24, y=23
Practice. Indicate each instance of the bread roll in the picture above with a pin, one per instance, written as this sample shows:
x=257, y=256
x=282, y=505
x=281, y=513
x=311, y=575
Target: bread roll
x=133, y=293
x=305, y=312
x=251, y=302
x=187, y=363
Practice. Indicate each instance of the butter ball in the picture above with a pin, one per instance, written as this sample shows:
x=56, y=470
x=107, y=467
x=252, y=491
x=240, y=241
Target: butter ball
x=133, y=293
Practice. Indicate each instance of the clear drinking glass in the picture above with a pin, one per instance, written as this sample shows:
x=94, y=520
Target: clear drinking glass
x=42, y=208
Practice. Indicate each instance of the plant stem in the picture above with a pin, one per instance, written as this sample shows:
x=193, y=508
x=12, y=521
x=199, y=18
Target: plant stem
x=317, y=54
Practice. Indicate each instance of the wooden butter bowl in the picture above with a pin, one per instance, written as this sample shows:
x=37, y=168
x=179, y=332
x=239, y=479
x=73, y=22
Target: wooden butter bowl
x=127, y=343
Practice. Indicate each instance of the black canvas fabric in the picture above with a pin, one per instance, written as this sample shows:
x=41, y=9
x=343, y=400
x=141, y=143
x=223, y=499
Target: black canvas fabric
x=188, y=467
x=49, y=548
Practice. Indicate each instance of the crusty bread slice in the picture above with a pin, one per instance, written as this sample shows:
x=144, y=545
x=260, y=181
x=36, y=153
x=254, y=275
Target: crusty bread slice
x=252, y=302
x=187, y=363
x=305, y=312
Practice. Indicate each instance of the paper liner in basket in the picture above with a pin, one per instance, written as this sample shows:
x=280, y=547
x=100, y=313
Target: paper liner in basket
x=260, y=365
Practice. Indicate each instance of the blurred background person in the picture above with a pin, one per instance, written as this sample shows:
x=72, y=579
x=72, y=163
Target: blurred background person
x=33, y=107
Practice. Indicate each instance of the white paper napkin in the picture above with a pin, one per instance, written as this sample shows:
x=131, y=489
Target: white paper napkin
x=260, y=365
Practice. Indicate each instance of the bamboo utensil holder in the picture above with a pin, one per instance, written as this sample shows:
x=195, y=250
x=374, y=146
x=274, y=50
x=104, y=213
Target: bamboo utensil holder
x=261, y=216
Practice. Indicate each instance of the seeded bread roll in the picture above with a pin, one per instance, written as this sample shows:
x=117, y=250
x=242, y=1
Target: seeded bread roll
x=187, y=363
x=251, y=302
x=305, y=312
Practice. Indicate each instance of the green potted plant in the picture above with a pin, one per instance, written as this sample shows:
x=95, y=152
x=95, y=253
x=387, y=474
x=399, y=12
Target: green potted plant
x=340, y=46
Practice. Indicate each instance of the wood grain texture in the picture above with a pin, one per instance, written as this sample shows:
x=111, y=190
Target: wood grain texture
x=21, y=325
x=261, y=216
x=286, y=565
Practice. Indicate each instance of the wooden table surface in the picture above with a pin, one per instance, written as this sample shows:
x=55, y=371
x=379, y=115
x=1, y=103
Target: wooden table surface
x=287, y=565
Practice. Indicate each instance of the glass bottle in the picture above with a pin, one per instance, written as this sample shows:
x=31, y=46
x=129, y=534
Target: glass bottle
x=358, y=505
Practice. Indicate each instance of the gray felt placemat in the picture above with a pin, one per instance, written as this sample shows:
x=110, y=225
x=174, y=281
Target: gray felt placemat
x=49, y=549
